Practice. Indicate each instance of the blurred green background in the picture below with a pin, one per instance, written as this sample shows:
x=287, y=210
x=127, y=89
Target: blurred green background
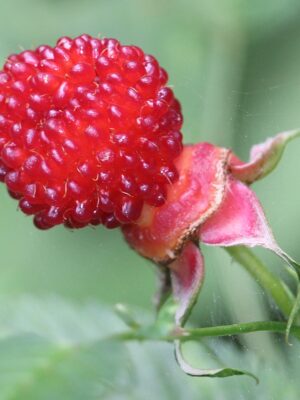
x=234, y=65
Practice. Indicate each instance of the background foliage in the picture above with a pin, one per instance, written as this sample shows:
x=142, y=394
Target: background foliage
x=235, y=66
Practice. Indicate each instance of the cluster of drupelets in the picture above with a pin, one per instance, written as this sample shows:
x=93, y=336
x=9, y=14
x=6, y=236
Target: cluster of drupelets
x=89, y=132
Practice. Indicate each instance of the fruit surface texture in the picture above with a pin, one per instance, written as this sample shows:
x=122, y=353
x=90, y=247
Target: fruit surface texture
x=89, y=132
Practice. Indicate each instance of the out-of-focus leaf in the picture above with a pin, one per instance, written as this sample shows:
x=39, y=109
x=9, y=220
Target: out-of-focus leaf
x=274, y=13
x=252, y=17
x=32, y=368
x=57, y=320
x=53, y=349
x=126, y=315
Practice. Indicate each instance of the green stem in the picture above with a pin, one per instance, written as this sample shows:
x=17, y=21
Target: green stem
x=236, y=329
x=198, y=333
x=264, y=277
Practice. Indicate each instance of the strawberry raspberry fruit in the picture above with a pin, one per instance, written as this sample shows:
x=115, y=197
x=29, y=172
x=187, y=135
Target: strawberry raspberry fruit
x=89, y=132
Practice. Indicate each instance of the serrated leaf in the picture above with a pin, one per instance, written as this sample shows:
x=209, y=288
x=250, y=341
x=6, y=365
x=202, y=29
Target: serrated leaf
x=61, y=323
x=52, y=349
x=57, y=319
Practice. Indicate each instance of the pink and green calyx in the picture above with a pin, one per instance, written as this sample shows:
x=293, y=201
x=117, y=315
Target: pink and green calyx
x=210, y=203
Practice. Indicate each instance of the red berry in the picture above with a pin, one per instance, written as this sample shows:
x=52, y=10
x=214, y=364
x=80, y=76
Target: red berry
x=88, y=132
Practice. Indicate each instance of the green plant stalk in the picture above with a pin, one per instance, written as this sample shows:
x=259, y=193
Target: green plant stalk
x=184, y=335
x=236, y=329
x=279, y=292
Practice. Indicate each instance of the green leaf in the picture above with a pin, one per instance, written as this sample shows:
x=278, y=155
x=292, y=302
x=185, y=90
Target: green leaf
x=208, y=373
x=33, y=368
x=51, y=348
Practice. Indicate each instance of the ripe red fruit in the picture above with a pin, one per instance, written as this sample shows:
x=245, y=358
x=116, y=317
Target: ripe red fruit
x=89, y=132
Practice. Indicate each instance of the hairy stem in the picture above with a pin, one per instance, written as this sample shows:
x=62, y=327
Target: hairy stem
x=264, y=277
x=184, y=335
x=236, y=329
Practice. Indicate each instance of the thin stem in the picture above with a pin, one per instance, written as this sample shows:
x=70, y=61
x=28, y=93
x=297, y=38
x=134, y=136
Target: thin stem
x=198, y=333
x=264, y=277
x=236, y=329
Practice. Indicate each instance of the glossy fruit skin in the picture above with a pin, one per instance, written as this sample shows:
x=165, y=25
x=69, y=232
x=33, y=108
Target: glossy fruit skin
x=89, y=132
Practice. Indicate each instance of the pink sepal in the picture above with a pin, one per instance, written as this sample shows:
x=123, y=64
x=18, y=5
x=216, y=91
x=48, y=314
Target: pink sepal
x=187, y=275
